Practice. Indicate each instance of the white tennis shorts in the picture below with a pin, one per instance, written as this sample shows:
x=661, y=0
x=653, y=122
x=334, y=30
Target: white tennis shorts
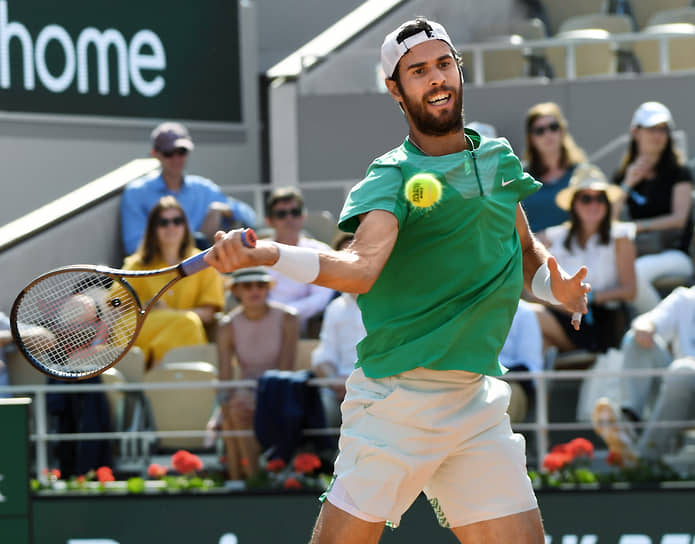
x=442, y=432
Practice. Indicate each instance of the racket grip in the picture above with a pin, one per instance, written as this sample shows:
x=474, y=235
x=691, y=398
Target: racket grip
x=197, y=262
x=248, y=238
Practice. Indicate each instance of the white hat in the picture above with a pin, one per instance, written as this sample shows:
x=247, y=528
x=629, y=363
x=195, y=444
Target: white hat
x=651, y=114
x=586, y=177
x=247, y=275
x=407, y=36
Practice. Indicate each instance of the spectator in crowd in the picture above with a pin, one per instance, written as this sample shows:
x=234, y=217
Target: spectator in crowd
x=29, y=334
x=207, y=208
x=646, y=346
x=591, y=237
x=81, y=412
x=657, y=190
x=286, y=214
x=551, y=156
x=179, y=318
x=341, y=331
x=523, y=352
x=256, y=336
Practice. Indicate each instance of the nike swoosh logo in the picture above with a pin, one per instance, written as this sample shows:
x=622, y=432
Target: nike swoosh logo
x=505, y=183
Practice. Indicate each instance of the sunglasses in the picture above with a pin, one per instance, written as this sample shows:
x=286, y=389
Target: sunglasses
x=177, y=221
x=281, y=214
x=663, y=129
x=540, y=130
x=181, y=152
x=588, y=199
x=247, y=285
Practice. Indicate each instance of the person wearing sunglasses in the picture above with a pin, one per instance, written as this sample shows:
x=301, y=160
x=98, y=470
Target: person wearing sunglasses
x=285, y=215
x=256, y=336
x=207, y=208
x=181, y=316
x=593, y=238
x=550, y=156
x=657, y=190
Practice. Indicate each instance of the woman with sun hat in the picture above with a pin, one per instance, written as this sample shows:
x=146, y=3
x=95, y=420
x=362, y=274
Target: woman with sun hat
x=592, y=238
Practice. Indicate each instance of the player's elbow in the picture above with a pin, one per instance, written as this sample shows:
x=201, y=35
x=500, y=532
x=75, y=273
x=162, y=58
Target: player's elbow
x=364, y=281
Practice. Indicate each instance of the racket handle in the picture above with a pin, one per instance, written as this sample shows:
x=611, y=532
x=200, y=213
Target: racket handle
x=197, y=262
x=248, y=238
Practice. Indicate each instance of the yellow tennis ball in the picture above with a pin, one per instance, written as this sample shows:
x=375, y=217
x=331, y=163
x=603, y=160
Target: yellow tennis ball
x=423, y=190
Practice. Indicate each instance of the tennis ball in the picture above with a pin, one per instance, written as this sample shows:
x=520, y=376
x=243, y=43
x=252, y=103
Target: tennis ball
x=423, y=190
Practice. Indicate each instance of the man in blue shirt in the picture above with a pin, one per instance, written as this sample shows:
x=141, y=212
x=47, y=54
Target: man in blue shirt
x=207, y=208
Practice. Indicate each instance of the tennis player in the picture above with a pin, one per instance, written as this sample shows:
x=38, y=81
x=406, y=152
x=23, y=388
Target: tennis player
x=439, y=287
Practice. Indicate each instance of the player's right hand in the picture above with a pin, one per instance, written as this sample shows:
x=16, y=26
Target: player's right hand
x=228, y=253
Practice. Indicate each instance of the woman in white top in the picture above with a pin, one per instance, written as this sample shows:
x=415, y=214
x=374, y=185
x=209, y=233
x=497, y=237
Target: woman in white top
x=607, y=249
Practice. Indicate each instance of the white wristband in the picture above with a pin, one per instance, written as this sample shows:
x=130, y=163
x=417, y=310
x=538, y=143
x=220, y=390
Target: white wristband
x=297, y=263
x=540, y=285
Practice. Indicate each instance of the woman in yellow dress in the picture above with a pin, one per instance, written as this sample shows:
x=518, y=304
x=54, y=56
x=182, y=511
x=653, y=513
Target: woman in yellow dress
x=180, y=316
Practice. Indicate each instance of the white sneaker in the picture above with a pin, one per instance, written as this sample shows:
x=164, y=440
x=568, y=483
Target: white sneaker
x=615, y=431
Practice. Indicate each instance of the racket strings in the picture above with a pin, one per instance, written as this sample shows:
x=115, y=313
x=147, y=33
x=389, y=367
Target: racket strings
x=75, y=323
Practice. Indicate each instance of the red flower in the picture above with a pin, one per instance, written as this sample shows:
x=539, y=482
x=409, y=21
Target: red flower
x=292, y=483
x=581, y=447
x=105, y=474
x=306, y=463
x=185, y=462
x=561, y=448
x=614, y=458
x=157, y=471
x=275, y=465
x=555, y=461
x=53, y=473
x=81, y=480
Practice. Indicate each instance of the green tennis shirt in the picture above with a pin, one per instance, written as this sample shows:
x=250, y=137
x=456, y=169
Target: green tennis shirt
x=449, y=290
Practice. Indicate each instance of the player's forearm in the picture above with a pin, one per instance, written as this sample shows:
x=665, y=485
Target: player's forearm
x=534, y=255
x=340, y=270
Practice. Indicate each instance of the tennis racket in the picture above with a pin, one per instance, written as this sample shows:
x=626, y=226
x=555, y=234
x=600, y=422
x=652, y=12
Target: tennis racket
x=90, y=315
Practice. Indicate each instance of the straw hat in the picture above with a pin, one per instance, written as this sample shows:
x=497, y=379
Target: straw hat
x=586, y=177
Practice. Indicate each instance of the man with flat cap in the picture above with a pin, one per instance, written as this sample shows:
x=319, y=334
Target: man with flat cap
x=207, y=208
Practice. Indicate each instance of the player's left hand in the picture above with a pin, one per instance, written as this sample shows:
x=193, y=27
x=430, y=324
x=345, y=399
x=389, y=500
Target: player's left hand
x=571, y=291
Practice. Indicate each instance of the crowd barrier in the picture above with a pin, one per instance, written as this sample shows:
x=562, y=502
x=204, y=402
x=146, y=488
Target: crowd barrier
x=539, y=424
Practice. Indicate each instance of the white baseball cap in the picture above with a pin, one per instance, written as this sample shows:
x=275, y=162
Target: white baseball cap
x=408, y=35
x=651, y=114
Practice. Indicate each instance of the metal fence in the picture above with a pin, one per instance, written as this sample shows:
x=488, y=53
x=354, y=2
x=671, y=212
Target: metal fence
x=538, y=423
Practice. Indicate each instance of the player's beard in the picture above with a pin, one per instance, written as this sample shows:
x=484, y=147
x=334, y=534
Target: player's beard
x=432, y=125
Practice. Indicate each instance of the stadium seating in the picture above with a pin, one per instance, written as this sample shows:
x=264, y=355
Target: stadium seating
x=116, y=399
x=21, y=372
x=594, y=53
x=181, y=409
x=681, y=44
x=304, y=348
x=560, y=10
x=321, y=225
x=132, y=366
x=645, y=10
x=206, y=353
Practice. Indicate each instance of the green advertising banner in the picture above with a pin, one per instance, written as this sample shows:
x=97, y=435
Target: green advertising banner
x=657, y=516
x=14, y=471
x=159, y=58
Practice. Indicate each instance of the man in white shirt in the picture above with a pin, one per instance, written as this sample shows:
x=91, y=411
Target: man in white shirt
x=285, y=214
x=646, y=346
x=523, y=352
